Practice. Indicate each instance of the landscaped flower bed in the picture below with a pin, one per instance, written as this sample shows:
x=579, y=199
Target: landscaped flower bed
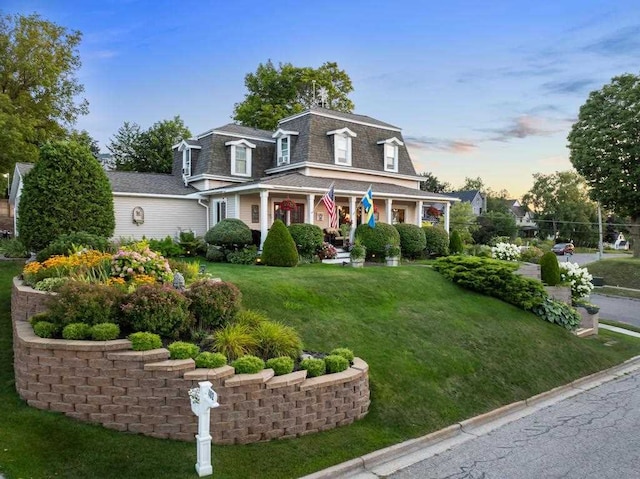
x=146, y=392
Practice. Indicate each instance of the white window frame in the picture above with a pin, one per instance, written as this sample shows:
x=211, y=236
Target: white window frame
x=187, y=157
x=392, y=145
x=347, y=135
x=248, y=157
x=280, y=135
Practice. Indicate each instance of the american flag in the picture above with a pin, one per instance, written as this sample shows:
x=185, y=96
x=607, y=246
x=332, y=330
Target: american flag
x=329, y=201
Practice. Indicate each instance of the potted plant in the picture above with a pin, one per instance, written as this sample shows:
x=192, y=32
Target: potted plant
x=357, y=254
x=392, y=255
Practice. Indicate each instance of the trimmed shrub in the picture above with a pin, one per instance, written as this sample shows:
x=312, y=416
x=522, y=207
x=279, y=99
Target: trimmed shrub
x=249, y=318
x=105, y=332
x=345, y=353
x=210, y=360
x=215, y=254
x=549, y=269
x=531, y=254
x=559, y=313
x=493, y=278
x=144, y=341
x=279, y=248
x=376, y=239
x=79, y=302
x=191, y=244
x=412, y=240
x=335, y=363
x=281, y=365
x=67, y=243
x=213, y=303
x=183, y=350
x=87, y=202
x=275, y=339
x=436, y=240
x=230, y=233
x=246, y=255
x=248, y=365
x=455, y=243
x=36, y=318
x=157, y=309
x=234, y=340
x=166, y=247
x=76, y=331
x=314, y=367
x=307, y=238
x=45, y=329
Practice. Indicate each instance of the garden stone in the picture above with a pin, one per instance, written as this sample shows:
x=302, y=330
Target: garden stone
x=178, y=282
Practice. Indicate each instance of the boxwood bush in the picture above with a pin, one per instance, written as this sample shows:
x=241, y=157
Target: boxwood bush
x=105, y=332
x=345, y=353
x=307, y=238
x=549, y=269
x=45, y=329
x=281, y=365
x=183, y=350
x=248, y=365
x=76, y=331
x=213, y=303
x=230, y=233
x=412, y=240
x=279, y=248
x=376, y=239
x=336, y=363
x=315, y=367
x=210, y=360
x=144, y=341
x=436, y=241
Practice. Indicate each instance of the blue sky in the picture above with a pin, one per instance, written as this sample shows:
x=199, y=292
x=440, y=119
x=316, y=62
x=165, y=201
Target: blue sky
x=485, y=89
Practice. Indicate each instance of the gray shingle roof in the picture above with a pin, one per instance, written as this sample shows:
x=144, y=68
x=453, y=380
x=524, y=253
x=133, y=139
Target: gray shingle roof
x=245, y=130
x=467, y=195
x=345, y=116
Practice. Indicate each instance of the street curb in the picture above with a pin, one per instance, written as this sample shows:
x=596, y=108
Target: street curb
x=364, y=465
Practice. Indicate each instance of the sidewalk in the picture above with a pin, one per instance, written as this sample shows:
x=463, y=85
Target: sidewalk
x=394, y=458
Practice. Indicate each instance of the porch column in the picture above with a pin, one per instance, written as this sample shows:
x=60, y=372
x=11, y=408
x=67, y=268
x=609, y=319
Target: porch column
x=354, y=219
x=389, y=212
x=311, y=201
x=447, y=209
x=264, y=216
x=419, y=213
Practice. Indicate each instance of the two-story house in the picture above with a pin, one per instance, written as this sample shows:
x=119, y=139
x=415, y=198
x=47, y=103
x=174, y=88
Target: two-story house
x=476, y=198
x=239, y=172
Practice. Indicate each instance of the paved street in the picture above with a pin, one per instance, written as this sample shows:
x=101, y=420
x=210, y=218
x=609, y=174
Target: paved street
x=624, y=310
x=592, y=435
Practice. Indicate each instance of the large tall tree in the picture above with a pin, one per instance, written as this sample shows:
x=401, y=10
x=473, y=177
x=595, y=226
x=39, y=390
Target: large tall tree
x=432, y=184
x=604, y=147
x=562, y=208
x=38, y=86
x=150, y=150
x=274, y=93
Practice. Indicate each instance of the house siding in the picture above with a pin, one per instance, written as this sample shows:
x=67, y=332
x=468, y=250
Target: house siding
x=162, y=217
x=347, y=175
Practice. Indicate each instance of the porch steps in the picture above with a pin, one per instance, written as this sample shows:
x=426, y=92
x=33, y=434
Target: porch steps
x=342, y=258
x=584, y=332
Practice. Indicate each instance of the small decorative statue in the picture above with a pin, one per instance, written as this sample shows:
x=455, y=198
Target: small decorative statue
x=178, y=281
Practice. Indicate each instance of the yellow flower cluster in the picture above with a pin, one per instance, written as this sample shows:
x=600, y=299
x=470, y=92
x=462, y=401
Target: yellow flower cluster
x=83, y=259
x=32, y=268
x=144, y=279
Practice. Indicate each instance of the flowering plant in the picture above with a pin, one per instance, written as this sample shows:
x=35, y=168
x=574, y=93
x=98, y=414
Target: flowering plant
x=287, y=205
x=579, y=279
x=137, y=259
x=433, y=211
x=506, y=251
x=328, y=251
x=73, y=265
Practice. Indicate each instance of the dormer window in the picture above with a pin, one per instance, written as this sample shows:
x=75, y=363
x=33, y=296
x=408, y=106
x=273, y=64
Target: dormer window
x=342, y=145
x=186, y=150
x=390, y=153
x=241, y=153
x=284, y=145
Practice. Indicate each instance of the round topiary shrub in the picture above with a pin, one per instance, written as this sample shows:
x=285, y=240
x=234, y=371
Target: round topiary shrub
x=67, y=243
x=455, y=243
x=281, y=365
x=376, y=239
x=248, y=365
x=345, y=353
x=436, y=241
x=105, y=332
x=230, y=233
x=279, y=248
x=76, y=331
x=66, y=191
x=314, y=367
x=275, y=339
x=157, y=309
x=144, y=341
x=45, y=329
x=183, y=350
x=307, y=238
x=79, y=302
x=549, y=269
x=215, y=254
x=336, y=363
x=412, y=240
x=210, y=360
x=213, y=303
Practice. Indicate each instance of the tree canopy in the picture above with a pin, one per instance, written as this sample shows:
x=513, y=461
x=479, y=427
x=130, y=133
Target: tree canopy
x=39, y=89
x=275, y=93
x=432, y=184
x=150, y=150
x=562, y=208
x=604, y=147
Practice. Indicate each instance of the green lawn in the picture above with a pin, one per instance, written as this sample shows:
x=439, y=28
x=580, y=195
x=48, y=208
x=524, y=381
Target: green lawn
x=437, y=355
x=623, y=271
x=610, y=291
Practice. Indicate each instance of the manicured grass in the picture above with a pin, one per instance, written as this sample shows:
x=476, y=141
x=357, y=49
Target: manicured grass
x=618, y=324
x=623, y=271
x=609, y=291
x=437, y=355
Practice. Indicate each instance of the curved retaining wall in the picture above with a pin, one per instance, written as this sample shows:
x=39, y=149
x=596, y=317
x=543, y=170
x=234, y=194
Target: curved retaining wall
x=145, y=392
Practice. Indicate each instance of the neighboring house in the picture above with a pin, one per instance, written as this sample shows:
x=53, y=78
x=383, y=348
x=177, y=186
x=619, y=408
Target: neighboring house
x=239, y=172
x=524, y=219
x=477, y=199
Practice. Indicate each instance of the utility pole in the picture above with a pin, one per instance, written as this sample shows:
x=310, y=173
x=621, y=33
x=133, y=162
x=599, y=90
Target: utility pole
x=600, y=246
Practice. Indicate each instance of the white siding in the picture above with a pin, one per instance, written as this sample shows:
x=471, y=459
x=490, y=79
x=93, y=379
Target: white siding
x=162, y=217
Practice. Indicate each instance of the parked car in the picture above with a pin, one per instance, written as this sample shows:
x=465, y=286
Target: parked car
x=563, y=248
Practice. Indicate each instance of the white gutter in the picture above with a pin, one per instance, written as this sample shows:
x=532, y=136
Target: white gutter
x=206, y=207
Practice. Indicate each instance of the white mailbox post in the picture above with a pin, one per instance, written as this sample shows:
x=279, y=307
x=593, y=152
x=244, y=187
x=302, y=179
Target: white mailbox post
x=203, y=398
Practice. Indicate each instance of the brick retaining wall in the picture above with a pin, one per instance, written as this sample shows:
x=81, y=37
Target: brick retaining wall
x=145, y=392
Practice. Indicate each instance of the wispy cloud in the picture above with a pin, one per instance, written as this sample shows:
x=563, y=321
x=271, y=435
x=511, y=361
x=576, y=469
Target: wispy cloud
x=102, y=54
x=522, y=127
x=440, y=144
x=577, y=86
x=625, y=41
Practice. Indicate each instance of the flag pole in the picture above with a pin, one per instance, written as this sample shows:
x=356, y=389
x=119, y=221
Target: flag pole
x=320, y=200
